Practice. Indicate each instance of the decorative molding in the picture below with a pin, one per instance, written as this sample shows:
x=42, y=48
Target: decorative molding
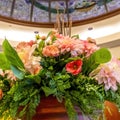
x=111, y=44
x=98, y=18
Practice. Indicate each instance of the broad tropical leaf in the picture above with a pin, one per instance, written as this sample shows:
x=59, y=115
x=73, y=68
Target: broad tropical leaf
x=12, y=55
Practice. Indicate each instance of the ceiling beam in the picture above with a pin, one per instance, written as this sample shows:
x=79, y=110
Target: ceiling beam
x=12, y=8
x=49, y=10
x=31, y=11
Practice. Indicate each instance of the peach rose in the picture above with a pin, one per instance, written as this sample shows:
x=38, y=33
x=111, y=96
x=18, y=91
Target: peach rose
x=50, y=51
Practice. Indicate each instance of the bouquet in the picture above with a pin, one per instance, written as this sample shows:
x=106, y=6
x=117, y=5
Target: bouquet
x=75, y=71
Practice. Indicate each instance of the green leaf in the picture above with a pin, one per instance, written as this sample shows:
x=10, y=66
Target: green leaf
x=24, y=102
x=12, y=55
x=36, y=78
x=4, y=63
x=23, y=111
x=12, y=90
x=48, y=91
x=13, y=108
x=102, y=55
x=41, y=45
x=75, y=36
x=18, y=73
x=71, y=59
x=70, y=110
x=49, y=34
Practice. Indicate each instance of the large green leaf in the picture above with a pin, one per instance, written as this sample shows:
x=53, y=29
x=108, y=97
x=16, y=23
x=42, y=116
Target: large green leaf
x=102, y=55
x=12, y=55
x=4, y=63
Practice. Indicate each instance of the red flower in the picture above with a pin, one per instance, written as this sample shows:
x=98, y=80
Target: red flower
x=74, y=67
x=1, y=94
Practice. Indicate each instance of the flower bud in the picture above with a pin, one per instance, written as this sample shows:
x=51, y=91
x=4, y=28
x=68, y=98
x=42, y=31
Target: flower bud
x=43, y=37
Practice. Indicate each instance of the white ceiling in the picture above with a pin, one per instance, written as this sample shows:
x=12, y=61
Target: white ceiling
x=103, y=31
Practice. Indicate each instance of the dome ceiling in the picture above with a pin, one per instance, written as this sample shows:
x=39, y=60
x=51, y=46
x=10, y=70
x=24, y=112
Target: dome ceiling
x=45, y=11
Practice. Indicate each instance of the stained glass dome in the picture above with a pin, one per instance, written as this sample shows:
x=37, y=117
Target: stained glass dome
x=43, y=12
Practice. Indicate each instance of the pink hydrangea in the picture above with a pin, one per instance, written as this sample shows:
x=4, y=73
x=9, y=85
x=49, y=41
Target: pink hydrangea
x=66, y=44
x=108, y=74
x=75, y=46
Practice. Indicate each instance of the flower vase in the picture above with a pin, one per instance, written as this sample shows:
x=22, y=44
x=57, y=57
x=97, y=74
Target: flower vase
x=50, y=109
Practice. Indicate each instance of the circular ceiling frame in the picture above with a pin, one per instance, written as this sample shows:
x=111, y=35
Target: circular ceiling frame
x=51, y=25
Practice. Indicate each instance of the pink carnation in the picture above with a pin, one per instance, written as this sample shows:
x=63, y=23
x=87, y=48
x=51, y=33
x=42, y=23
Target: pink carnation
x=89, y=48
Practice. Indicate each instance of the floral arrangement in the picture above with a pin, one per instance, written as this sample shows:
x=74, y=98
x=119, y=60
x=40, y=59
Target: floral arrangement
x=75, y=71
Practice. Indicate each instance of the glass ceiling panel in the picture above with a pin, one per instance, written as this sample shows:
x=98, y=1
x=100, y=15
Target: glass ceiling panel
x=22, y=10
x=115, y=4
x=5, y=7
x=39, y=14
x=81, y=13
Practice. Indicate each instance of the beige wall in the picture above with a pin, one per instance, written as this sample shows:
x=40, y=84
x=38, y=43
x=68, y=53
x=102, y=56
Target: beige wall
x=115, y=51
